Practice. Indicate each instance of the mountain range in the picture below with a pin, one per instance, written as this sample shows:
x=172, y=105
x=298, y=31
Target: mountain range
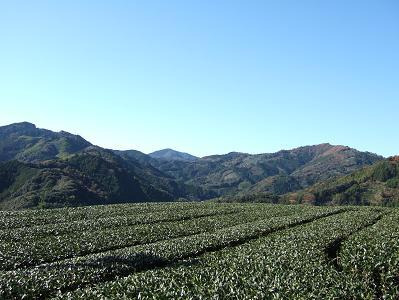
x=42, y=168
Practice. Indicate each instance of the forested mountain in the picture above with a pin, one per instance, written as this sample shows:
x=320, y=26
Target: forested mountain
x=170, y=154
x=279, y=173
x=90, y=177
x=81, y=180
x=42, y=168
x=373, y=185
x=136, y=156
x=24, y=142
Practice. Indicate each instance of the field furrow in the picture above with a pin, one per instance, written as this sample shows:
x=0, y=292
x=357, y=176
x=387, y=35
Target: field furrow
x=70, y=274
x=288, y=264
x=28, y=218
x=200, y=251
x=40, y=231
x=333, y=249
x=33, y=251
x=370, y=259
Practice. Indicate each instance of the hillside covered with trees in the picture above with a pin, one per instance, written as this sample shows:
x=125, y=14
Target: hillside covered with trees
x=42, y=168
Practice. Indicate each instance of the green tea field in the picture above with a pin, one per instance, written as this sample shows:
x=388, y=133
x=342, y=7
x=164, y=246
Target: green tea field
x=200, y=251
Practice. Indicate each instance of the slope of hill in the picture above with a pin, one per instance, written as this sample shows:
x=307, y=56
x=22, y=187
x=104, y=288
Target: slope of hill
x=93, y=177
x=42, y=168
x=170, y=154
x=59, y=168
x=373, y=185
x=24, y=142
x=280, y=172
x=80, y=180
x=136, y=156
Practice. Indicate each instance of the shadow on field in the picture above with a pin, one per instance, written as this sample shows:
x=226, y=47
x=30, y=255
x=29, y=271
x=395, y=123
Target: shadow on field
x=107, y=268
x=123, y=265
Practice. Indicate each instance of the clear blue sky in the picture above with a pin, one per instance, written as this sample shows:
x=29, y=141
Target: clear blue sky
x=204, y=77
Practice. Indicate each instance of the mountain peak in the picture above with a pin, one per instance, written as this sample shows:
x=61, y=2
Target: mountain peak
x=25, y=142
x=25, y=124
x=170, y=154
x=20, y=125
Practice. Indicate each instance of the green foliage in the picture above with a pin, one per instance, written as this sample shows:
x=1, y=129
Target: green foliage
x=81, y=180
x=163, y=234
x=290, y=264
x=92, y=177
x=200, y=250
x=284, y=184
x=371, y=258
x=25, y=142
x=374, y=185
x=248, y=198
x=384, y=171
x=393, y=183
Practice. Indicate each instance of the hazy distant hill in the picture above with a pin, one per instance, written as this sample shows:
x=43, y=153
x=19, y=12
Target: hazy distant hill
x=170, y=154
x=373, y=185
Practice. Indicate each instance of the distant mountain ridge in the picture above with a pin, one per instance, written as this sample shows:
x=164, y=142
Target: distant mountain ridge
x=280, y=172
x=170, y=154
x=42, y=168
